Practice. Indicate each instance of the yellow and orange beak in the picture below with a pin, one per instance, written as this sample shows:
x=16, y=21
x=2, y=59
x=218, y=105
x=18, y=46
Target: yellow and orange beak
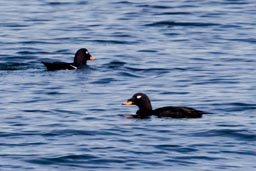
x=127, y=103
x=91, y=58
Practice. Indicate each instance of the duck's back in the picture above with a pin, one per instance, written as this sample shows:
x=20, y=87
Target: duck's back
x=59, y=66
x=178, y=112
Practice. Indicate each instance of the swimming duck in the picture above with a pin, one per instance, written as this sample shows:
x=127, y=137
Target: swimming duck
x=145, y=109
x=80, y=59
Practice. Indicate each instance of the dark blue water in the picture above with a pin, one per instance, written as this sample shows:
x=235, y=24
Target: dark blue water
x=193, y=53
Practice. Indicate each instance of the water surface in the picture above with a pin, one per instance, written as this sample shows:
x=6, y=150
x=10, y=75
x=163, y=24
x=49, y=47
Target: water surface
x=197, y=54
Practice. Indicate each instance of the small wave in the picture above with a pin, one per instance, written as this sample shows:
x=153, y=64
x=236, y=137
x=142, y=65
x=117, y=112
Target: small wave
x=176, y=148
x=115, y=64
x=129, y=74
x=67, y=159
x=26, y=52
x=148, y=70
x=67, y=132
x=115, y=41
x=240, y=134
x=62, y=132
x=236, y=106
x=154, y=6
x=174, y=13
x=13, y=66
x=243, y=106
x=247, y=40
x=18, y=144
x=33, y=42
x=104, y=81
x=14, y=25
x=63, y=3
x=183, y=24
x=148, y=50
x=191, y=158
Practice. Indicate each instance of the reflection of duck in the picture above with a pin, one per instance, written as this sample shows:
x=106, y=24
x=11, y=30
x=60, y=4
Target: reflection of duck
x=145, y=109
x=80, y=59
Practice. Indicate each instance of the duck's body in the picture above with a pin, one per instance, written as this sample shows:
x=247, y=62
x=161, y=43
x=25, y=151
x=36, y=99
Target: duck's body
x=178, y=112
x=59, y=66
x=145, y=109
x=80, y=60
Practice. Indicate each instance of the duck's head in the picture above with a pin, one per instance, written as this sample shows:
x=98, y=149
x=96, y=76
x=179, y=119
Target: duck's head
x=141, y=100
x=82, y=56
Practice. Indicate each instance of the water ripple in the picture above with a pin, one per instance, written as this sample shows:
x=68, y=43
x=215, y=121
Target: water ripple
x=67, y=159
x=13, y=66
x=183, y=24
x=241, y=134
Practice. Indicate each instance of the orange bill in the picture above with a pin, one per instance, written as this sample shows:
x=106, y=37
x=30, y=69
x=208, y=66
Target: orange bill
x=91, y=58
x=127, y=103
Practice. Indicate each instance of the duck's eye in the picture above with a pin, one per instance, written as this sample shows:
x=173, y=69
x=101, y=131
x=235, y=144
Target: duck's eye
x=138, y=97
x=87, y=52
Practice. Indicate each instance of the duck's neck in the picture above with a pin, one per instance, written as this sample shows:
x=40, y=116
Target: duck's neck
x=145, y=109
x=79, y=62
x=79, y=59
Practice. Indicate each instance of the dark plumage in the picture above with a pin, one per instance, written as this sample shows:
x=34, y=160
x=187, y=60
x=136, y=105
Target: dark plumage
x=145, y=109
x=80, y=59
